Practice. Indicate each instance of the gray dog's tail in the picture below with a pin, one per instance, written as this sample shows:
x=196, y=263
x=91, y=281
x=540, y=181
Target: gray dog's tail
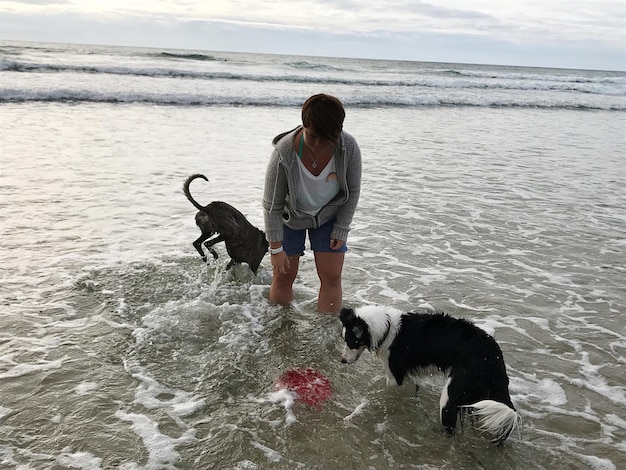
x=188, y=194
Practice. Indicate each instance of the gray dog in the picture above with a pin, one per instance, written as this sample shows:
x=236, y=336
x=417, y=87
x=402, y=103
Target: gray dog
x=244, y=242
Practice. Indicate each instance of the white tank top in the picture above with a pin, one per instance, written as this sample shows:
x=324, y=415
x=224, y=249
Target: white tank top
x=316, y=191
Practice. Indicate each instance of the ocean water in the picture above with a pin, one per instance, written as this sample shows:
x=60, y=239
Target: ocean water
x=496, y=194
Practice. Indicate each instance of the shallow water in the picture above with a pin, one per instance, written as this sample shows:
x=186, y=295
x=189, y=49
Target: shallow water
x=119, y=348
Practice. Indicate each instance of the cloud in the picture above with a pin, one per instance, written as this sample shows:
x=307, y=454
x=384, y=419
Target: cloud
x=576, y=33
x=37, y=2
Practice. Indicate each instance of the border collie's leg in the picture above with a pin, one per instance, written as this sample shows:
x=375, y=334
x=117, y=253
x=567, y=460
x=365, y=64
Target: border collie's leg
x=395, y=375
x=447, y=406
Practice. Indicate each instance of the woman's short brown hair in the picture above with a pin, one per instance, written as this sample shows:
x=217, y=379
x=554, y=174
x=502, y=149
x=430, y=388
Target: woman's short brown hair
x=324, y=114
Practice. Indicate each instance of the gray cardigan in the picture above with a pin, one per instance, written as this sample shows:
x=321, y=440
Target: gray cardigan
x=282, y=181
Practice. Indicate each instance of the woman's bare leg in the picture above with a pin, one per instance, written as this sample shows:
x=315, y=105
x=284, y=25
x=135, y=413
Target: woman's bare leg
x=329, y=268
x=281, y=290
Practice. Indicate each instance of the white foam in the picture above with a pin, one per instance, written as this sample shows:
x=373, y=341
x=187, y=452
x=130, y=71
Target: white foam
x=19, y=370
x=548, y=391
x=597, y=463
x=593, y=380
x=271, y=454
x=246, y=465
x=176, y=404
x=161, y=448
x=85, y=387
x=239, y=323
x=123, y=308
x=488, y=326
x=387, y=291
x=174, y=319
x=286, y=398
x=4, y=411
x=81, y=460
x=469, y=307
x=150, y=393
x=491, y=323
x=616, y=421
x=358, y=410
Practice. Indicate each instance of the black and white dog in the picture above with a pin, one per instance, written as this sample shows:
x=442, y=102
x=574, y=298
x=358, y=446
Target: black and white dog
x=414, y=344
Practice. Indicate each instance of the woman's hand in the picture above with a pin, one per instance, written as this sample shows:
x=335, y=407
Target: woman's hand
x=336, y=244
x=280, y=262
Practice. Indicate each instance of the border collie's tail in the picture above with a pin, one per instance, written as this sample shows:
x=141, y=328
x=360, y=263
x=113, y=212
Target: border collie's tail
x=495, y=418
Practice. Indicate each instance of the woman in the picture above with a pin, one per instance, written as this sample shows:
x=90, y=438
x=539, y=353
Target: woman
x=312, y=185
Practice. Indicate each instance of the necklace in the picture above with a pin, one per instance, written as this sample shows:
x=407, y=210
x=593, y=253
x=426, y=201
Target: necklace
x=314, y=160
x=314, y=164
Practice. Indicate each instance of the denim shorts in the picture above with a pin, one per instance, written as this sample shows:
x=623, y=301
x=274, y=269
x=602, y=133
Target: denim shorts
x=293, y=240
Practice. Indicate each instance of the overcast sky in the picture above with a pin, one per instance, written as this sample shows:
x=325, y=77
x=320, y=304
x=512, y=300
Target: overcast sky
x=550, y=33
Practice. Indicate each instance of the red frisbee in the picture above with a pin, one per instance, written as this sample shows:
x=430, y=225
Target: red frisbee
x=309, y=385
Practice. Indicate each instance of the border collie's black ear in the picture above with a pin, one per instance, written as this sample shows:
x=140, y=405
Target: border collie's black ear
x=358, y=332
x=346, y=315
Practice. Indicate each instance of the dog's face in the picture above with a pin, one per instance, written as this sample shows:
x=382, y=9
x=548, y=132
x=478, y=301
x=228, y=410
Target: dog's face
x=356, y=334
